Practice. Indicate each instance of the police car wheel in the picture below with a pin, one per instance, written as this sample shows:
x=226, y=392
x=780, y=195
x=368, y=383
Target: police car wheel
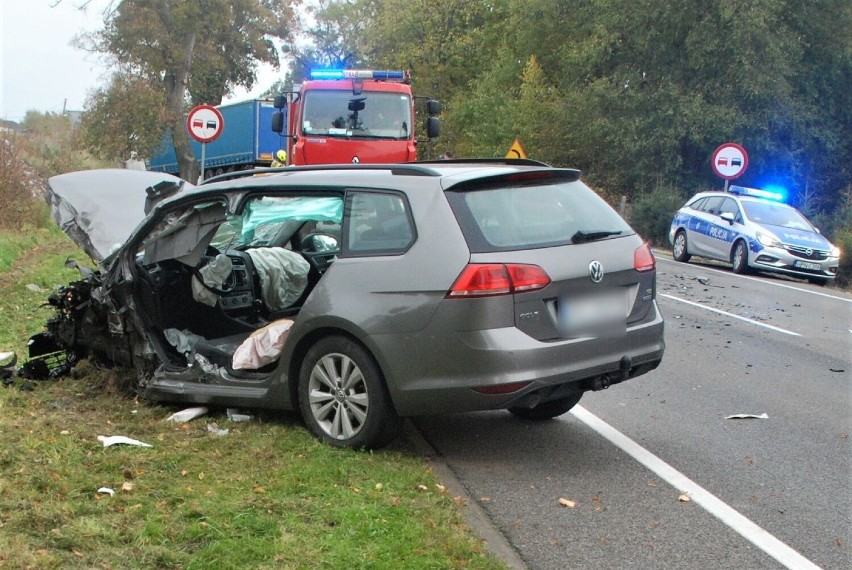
x=739, y=258
x=679, y=250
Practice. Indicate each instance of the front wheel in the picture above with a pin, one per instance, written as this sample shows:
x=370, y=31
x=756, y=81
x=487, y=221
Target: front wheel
x=679, y=250
x=549, y=409
x=739, y=258
x=343, y=397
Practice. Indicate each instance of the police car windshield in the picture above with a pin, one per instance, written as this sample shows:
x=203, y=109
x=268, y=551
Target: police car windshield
x=771, y=214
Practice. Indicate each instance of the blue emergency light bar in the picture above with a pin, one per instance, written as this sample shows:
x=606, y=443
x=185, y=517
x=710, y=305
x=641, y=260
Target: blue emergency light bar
x=758, y=193
x=380, y=75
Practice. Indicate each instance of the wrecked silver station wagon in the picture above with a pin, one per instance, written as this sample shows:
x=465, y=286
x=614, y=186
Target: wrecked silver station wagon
x=358, y=294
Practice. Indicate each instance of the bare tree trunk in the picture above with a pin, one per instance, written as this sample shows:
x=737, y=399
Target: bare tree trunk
x=176, y=84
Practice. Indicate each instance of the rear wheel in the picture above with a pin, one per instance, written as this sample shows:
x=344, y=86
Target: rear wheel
x=549, y=409
x=343, y=398
x=739, y=258
x=679, y=250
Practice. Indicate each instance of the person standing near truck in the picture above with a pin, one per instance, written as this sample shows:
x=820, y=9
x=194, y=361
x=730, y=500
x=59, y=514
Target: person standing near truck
x=280, y=159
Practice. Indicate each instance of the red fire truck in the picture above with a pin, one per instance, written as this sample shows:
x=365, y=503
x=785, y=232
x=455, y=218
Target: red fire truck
x=352, y=115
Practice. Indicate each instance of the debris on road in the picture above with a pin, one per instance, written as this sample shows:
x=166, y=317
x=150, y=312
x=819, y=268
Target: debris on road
x=214, y=429
x=763, y=416
x=120, y=439
x=237, y=416
x=684, y=498
x=186, y=415
x=106, y=491
x=567, y=503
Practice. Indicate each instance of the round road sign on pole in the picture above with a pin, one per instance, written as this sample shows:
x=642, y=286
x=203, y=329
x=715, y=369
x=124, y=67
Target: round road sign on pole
x=204, y=123
x=730, y=160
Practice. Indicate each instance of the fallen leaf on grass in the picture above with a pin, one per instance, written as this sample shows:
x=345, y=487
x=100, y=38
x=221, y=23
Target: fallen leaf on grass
x=440, y=487
x=127, y=486
x=567, y=503
x=422, y=488
x=379, y=486
x=258, y=489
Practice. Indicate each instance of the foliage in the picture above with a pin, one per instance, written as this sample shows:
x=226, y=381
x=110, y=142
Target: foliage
x=651, y=214
x=636, y=94
x=125, y=119
x=198, y=49
x=49, y=145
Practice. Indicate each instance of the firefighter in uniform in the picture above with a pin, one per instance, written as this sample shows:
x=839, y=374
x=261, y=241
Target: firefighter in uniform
x=280, y=159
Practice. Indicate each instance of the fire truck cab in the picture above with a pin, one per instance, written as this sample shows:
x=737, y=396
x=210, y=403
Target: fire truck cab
x=351, y=116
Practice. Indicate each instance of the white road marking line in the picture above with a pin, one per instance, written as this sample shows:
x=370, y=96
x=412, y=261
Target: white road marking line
x=727, y=314
x=708, y=501
x=767, y=281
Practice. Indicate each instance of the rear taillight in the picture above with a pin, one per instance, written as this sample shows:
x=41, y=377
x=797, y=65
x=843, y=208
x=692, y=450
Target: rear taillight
x=488, y=279
x=643, y=258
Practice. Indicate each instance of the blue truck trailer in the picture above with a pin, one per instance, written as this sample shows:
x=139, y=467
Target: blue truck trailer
x=247, y=141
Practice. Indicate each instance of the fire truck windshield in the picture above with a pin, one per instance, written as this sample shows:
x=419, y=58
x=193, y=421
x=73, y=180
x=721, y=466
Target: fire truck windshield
x=369, y=114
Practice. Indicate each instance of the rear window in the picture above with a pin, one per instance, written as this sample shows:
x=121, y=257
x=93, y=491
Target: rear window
x=533, y=215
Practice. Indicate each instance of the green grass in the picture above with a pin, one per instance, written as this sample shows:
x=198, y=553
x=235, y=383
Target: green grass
x=267, y=495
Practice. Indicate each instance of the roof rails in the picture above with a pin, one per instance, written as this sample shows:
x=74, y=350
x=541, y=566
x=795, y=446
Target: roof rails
x=401, y=169
x=495, y=160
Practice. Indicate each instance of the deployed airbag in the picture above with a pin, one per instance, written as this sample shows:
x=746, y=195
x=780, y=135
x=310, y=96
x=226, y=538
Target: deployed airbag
x=283, y=275
x=262, y=347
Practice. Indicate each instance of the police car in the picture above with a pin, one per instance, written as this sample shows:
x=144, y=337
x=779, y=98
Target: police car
x=753, y=230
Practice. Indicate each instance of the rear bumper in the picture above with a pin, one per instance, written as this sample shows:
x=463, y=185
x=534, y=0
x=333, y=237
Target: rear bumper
x=429, y=374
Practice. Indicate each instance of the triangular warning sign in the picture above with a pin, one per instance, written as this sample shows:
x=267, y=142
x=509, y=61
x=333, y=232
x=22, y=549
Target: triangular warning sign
x=516, y=150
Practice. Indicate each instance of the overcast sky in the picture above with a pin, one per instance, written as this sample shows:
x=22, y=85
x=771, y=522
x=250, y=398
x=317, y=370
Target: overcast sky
x=39, y=69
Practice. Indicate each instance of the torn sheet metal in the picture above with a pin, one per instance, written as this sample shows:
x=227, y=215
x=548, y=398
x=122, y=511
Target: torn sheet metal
x=186, y=415
x=109, y=440
x=99, y=209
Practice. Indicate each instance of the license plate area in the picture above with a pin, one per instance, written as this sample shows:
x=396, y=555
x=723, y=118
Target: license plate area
x=602, y=313
x=807, y=265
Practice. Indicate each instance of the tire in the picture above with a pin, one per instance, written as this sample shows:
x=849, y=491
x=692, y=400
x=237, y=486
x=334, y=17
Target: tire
x=548, y=410
x=343, y=397
x=679, y=249
x=739, y=258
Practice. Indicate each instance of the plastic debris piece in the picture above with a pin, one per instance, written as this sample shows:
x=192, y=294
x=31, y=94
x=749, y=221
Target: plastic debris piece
x=567, y=503
x=106, y=491
x=237, y=416
x=120, y=439
x=684, y=498
x=763, y=416
x=214, y=429
x=187, y=415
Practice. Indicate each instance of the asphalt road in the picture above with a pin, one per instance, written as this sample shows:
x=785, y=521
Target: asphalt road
x=764, y=493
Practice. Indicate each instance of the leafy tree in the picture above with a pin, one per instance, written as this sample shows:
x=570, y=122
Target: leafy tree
x=125, y=119
x=200, y=48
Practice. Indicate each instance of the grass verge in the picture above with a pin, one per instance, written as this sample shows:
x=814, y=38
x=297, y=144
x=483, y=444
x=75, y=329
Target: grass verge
x=266, y=495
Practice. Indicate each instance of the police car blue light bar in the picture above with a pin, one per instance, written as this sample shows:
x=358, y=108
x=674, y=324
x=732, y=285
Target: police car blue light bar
x=381, y=75
x=757, y=193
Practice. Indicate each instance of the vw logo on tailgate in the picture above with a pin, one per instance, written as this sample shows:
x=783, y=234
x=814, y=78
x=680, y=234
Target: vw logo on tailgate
x=596, y=271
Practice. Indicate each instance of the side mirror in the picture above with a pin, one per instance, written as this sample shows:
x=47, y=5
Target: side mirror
x=728, y=217
x=433, y=127
x=433, y=107
x=280, y=101
x=278, y=122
